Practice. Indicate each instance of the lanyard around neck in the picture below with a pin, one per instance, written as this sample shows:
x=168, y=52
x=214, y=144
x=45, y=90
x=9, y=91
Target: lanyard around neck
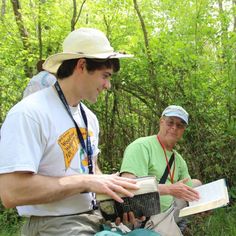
x=167, y=162
x=87, y=148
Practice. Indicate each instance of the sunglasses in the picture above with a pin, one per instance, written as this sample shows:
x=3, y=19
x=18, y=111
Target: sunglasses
x=170, y=123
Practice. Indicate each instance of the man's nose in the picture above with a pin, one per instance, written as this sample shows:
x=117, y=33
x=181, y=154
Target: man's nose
x=107, y=84
x=174, y=126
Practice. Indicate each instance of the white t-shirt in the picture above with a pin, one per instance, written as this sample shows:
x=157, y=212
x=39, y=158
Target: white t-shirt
x=39, y=136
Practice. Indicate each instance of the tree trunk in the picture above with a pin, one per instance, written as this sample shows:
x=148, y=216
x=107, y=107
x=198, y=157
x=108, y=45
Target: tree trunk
x=23, y=33
x=19, y=21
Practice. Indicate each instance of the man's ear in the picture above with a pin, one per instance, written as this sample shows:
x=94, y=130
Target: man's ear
x=80, y=66
x=161, y=120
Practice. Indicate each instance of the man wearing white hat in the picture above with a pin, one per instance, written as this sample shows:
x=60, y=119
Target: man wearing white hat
x=155, y=155
x=48, y=146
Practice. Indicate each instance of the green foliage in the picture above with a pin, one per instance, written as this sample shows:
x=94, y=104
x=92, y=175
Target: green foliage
x=219, y=222
x=10, y=222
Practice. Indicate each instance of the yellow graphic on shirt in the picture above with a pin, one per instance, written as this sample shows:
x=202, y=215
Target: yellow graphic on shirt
x=69, y=144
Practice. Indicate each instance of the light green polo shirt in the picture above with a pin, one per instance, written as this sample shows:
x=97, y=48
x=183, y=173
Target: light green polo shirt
x=145, y=156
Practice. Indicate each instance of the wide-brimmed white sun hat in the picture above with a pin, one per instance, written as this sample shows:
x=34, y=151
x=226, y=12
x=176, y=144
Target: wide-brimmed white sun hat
x=176, y=111
x=83, y=43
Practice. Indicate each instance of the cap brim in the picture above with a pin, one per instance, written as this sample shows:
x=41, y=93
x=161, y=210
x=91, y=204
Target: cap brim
x=53, y=62
x=177, y=115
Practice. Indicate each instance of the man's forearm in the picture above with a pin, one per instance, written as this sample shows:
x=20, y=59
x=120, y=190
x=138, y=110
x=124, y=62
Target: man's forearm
x=26, y=188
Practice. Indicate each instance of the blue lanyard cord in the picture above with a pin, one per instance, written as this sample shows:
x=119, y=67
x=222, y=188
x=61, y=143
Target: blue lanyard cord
x=88, y=150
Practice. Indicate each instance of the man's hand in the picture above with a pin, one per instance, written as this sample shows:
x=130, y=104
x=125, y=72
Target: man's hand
x=130, y=221
x=180, y=190
x=111, y=185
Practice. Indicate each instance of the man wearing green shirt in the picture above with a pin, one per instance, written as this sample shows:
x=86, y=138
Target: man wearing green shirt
x=151, y=156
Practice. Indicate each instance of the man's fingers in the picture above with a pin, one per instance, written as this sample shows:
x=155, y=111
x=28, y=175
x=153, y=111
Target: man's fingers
x=125, y=219
x=132, y=219
x=125, y=183
x=125, y=180
x=114, y=186
x=184, y=180
x=194, y=194
x=118, y=188
x=117, y=221
x=191, y=194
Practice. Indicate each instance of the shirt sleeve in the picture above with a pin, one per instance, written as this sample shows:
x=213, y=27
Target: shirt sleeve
x=135, y=160
x=21, y=144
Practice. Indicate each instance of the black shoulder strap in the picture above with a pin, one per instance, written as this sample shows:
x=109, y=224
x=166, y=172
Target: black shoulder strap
x=165, y=175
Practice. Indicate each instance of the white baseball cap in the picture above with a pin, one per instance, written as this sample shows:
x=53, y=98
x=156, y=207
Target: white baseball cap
x=83, y=43
x=177, y=111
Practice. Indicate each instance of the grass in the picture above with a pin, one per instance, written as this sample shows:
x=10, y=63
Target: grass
x=219, y=222
x=4, y=233
x=10, y=222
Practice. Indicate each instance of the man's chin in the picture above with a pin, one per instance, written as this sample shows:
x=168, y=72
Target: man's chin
x=92, y=100
x=173, y=139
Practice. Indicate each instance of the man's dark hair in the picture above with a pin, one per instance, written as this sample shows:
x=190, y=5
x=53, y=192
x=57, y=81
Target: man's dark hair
x=67, y=67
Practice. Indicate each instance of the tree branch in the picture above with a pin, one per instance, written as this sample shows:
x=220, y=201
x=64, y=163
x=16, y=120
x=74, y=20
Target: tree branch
x=76, y=17
x=151, y=69
x=3, y=9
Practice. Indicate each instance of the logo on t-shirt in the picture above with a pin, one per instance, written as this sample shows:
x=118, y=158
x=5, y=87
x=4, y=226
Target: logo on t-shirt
x=69, y=144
